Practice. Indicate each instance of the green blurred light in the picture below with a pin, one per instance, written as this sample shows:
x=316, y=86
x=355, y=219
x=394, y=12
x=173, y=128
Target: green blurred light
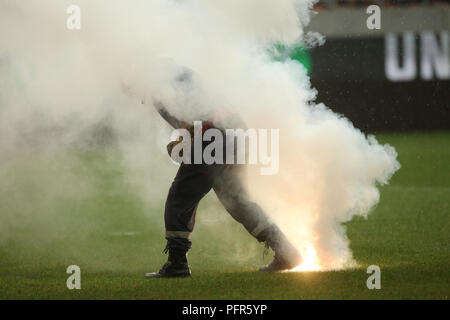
x=281, y=52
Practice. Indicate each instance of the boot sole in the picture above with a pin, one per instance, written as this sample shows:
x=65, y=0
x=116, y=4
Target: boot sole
x=262, y=269
x=151, y=275
x=287, y=266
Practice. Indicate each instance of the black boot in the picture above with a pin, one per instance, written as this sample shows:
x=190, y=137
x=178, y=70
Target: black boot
x=286, y=255
x=177, y=265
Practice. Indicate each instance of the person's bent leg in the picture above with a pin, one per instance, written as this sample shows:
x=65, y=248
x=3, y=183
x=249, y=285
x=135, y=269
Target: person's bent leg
x=232, y=193
x=234, y=196
x=190, y=185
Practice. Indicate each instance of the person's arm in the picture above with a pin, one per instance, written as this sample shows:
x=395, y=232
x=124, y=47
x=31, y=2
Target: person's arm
x=174, y=122
x=160, y=107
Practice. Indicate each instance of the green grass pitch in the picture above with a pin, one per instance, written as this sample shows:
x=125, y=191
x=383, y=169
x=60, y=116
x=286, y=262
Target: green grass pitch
x=115, y=239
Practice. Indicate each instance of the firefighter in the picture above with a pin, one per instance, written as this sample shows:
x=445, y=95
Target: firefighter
x=191, y=183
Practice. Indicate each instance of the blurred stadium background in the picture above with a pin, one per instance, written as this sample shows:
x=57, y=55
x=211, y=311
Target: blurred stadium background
x=395, y=78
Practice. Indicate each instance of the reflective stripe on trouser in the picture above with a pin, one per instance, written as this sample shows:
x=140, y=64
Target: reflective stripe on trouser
x=178, y=234
x=260, y=228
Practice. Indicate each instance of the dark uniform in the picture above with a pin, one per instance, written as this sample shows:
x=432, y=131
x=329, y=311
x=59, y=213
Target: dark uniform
x=192, y=182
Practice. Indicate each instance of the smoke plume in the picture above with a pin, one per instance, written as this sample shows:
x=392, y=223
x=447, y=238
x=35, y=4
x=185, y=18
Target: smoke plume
x=61, y=89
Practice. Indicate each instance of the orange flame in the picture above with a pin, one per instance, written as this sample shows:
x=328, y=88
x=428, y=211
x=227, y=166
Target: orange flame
x=310, y=261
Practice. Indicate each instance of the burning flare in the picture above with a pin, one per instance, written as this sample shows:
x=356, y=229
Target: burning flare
x=310, y=260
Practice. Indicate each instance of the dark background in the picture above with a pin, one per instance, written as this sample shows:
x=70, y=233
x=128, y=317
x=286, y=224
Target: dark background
x=349, y=75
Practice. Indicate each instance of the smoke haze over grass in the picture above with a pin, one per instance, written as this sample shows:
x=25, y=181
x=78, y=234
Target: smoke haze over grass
x=62, y=90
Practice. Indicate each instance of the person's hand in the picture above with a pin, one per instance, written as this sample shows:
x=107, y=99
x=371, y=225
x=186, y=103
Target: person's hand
x=172, y=144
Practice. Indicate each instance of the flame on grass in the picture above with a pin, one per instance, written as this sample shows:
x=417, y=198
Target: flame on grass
x=310, y=260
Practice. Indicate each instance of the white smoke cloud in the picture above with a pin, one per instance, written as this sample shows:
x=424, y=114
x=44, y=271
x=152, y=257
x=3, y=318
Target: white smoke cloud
x=56, y=85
